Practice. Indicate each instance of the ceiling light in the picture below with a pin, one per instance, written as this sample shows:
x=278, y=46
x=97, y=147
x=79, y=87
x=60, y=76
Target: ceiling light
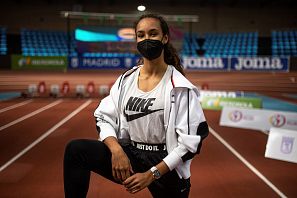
x=141, y=8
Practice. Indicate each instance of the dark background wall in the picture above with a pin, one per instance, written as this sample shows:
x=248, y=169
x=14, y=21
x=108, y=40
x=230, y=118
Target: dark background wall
x=214, y=15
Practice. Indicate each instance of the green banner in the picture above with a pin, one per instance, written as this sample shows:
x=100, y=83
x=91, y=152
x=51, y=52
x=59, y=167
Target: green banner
x=217, y=103
x=38, y=62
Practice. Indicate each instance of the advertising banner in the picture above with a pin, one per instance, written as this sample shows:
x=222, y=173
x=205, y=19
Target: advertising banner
x=259, y=64
x=282, y=145
x=217, y=103
x=38, y=62
x=275, y=64
x=203, y=63
x=102, y=62
x=219, y=94
x=258, y=119
x=116, y=46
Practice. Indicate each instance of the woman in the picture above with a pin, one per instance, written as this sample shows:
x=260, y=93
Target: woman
x=150, y=126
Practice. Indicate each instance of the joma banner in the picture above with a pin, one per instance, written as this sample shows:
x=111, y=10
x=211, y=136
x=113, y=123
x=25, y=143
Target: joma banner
x=203, y=63
x=237, y=63
x=259, y=64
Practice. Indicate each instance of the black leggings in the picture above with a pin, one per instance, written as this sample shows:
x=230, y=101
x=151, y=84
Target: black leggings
x=83, y=156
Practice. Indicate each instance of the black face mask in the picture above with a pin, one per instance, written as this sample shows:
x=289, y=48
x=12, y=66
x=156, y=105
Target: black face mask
x=150, y=49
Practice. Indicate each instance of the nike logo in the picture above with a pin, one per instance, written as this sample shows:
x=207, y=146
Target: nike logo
x=139, y=115
x=182, y=190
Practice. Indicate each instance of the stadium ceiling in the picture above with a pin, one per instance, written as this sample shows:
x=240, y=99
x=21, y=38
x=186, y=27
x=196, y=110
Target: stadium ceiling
x=161, y=2
x=115, y=16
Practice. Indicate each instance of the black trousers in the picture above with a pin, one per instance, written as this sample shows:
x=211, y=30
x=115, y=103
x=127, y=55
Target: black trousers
x=83, y=156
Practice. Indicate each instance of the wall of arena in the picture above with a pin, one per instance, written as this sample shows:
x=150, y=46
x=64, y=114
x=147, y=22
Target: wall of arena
x=212, y=18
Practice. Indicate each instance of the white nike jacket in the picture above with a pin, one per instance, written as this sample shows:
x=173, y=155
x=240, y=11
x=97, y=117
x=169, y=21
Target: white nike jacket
x=184, y=121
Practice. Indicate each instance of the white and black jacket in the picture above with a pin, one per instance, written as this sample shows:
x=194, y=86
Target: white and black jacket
x=184, y=120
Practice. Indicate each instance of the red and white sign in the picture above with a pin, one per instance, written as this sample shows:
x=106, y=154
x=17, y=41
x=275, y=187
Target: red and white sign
x=41, y=87
x=65, y=87
x=91, y=88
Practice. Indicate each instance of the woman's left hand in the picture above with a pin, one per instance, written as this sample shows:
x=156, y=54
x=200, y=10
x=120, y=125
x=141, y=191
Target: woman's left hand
x=138, y=181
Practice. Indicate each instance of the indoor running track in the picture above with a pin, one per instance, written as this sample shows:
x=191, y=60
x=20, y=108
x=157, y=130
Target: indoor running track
x=34, y=132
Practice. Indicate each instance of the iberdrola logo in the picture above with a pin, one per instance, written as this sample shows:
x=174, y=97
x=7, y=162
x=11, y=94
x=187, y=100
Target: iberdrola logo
x=235, y=116
x=213, y=102
x=24, y=61
x=277, y=120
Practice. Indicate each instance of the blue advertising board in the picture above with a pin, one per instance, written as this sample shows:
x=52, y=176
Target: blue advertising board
x=259, y=64
x=275, y=64
x=102, y=62
x=204, y=63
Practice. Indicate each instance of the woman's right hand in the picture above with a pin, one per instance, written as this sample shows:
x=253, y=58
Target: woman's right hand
x=121, y=167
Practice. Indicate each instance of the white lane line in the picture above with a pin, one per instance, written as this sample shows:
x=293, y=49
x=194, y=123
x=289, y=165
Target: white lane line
x=249, y=165
x=31, y=114
x=42, y=137
x=15, y=106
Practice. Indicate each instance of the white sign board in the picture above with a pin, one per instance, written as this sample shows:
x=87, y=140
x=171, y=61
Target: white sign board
x=103, y=90
x=219, y=94
x=258, y=119
x=55, y=89
x=282, y=145
x=80, y=89
x=32, y=89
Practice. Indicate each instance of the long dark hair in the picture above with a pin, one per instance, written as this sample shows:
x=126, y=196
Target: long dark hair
x=170, y=54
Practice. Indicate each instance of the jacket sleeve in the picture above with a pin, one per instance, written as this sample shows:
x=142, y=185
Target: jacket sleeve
x=106, y=114
x=190, y=127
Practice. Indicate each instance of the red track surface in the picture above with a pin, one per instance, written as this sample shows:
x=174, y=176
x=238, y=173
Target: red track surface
x=216, y=172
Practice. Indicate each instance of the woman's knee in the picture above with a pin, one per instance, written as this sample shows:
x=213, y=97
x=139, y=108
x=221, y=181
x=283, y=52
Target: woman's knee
x=74, y=146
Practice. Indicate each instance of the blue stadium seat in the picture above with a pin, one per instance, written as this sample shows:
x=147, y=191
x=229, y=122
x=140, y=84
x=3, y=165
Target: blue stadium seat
x=284, y=43
x=223, y=44
x=232, y=43
x=54, y=43
x=45, y=43
x=3, y=41
x=190, y=44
